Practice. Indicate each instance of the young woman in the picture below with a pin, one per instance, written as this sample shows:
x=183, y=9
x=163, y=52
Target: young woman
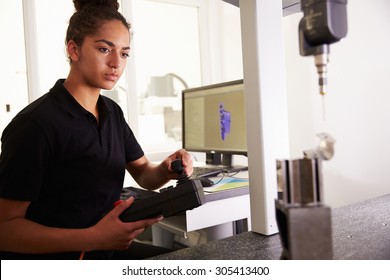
x=64, y=156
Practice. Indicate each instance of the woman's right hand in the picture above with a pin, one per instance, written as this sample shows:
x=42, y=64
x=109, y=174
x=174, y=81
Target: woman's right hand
x=110, y=233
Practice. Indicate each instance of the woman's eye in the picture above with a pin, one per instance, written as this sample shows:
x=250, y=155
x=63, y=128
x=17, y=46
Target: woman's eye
x=104, y=50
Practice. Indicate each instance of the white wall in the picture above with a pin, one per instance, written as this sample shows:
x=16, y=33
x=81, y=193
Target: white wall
x=357, y=106
x=230, y=40
x=13, y=76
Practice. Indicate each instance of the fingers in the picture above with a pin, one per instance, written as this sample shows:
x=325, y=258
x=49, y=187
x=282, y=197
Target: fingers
x=188, y=168
x=135, y=233
x=122, y=205
x=138, y=227
x=185, y=159
x=132, y=236
x=146, y=223
x=113, y=234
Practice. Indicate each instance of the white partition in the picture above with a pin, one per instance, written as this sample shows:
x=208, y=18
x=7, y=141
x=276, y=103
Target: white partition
x=266, y=101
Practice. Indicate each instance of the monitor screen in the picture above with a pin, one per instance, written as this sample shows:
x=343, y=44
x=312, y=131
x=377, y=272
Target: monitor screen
x=214, y=119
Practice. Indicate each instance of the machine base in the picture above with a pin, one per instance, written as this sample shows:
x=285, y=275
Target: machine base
x=305, y=231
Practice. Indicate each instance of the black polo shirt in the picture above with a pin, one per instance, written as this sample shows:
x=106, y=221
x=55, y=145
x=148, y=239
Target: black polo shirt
x=56, y=155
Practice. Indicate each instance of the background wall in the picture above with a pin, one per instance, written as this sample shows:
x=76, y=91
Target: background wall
x=13, y=71
x=357, y=106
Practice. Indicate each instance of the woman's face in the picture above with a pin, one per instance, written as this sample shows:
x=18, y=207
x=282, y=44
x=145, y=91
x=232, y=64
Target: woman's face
x=102, y=57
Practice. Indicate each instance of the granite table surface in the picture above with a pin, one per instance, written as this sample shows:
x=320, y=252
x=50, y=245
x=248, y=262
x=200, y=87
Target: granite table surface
x=360, y=231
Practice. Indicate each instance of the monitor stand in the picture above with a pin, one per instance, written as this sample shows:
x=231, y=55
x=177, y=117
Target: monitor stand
x=214, y=158
x=224, y=161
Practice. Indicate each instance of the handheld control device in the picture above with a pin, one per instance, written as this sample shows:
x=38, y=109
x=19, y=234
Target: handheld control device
x=186, y=195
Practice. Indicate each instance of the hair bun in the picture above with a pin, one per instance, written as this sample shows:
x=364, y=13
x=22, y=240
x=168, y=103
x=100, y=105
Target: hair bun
x=80, y=4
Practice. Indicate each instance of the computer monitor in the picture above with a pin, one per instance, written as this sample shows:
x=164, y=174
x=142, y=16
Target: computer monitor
x=214, y=121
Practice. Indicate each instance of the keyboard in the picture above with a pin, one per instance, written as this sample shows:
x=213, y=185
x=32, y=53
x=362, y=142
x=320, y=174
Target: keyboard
x=206, y=171
x=211, y=171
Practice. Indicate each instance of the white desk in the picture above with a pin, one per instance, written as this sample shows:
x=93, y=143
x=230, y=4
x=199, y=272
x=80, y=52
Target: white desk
x=218, y=214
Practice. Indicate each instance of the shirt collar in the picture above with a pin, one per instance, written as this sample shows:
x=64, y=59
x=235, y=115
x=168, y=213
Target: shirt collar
x=70, y=104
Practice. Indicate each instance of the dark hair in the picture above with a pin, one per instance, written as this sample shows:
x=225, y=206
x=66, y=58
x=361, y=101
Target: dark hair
x=90, y=15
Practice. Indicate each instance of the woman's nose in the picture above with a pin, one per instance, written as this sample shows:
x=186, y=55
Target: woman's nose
x=115, y=61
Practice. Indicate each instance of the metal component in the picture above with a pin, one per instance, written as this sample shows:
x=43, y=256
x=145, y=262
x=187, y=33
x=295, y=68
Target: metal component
x=325, y=148
x=321, y=62
x=304, y=222
x=324, y=22
x=301, y=182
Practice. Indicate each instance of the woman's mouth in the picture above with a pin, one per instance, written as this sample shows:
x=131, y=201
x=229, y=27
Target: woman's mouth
x=111, y=76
